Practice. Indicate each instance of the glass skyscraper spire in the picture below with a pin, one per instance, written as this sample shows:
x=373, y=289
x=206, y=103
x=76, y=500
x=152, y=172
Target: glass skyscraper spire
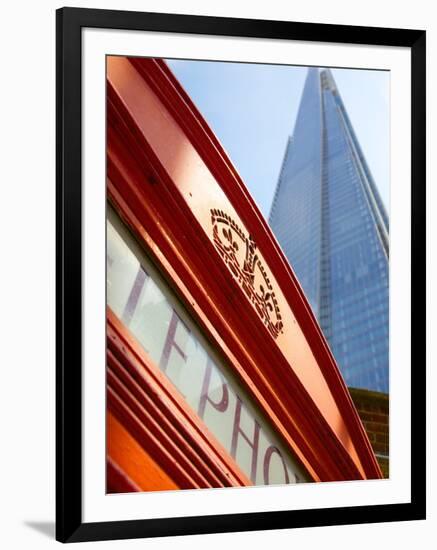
x=332, y=225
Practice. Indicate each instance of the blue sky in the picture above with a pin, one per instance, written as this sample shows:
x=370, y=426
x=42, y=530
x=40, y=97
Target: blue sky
x=252, y=109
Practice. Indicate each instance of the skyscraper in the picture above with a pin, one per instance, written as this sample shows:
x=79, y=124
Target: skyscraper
x=332, y=225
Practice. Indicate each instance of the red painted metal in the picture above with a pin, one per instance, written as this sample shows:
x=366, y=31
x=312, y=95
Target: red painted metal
x=166, y=172
x=118, y=481
x=133, y=460
x=151, y=408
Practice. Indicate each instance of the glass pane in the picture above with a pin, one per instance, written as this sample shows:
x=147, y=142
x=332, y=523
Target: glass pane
x=140, y=298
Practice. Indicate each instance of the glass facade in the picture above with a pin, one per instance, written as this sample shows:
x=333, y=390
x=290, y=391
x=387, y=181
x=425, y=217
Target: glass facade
x=331, y=223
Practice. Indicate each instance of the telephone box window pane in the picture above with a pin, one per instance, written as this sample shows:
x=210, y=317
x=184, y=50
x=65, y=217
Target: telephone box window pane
x=137, y=294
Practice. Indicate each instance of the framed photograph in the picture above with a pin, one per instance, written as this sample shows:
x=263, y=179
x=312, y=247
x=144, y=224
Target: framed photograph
x=240, y=274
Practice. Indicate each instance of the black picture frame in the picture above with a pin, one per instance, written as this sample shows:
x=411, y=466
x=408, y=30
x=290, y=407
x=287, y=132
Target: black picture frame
x=69, y=23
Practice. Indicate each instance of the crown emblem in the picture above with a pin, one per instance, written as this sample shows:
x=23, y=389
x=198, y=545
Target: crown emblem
x=239, y=253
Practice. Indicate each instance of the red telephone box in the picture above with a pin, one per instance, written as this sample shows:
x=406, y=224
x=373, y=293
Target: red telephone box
x=217, y=371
